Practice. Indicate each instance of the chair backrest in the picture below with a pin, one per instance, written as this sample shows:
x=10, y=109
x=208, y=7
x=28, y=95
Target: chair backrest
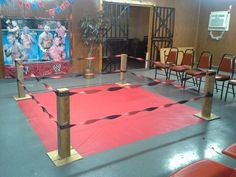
x=227, y=64
x=188, y=58
x=172, y=56
x=205, y=60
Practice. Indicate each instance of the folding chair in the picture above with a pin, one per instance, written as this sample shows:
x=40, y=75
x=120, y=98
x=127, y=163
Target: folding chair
x=186, y=63
x=231, y=82
x=204, y=63
x=170, y=60
x=225, y=71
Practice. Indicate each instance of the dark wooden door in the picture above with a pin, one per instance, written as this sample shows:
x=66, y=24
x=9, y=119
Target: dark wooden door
x=163, y=30
x=116, y=37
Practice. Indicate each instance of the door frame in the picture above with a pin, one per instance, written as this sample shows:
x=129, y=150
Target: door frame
x=132, y=3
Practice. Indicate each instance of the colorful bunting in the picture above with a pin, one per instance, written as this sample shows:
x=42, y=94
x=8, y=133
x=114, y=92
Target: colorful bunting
x=39, y=5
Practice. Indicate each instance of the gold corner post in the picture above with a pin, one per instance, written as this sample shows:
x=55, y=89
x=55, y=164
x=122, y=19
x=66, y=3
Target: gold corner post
x=123, y=70
x=65, y=154
x=63, y=119
x=20, y=81
x=207, y=103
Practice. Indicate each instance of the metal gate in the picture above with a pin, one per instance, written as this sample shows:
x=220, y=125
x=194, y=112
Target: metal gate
x=116, y=37
x=163, y=30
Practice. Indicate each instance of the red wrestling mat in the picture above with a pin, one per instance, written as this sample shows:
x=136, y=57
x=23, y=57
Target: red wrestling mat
x=107, y=134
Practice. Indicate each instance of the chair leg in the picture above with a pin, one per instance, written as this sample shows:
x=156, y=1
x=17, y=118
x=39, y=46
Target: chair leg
x=182, y=77
x=185, y=79
x=233, y=90
x=222, y=90
x=177, y=76
x=155, y=73
x=168, y=73
x=196, y=82
x=216, y=86
x=193, y=81
x=199, y=85
x=226, y=94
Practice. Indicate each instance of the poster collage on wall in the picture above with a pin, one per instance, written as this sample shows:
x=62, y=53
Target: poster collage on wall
x=34, y=40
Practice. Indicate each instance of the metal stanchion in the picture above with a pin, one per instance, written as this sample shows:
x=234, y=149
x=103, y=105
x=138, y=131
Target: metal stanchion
x=123, y=70
x=20, y=81
x=147, y=63
x=65, y=154
x=207, y=103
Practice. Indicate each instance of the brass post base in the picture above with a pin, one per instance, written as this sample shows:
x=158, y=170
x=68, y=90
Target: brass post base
x=88, y=73
x=212, y=117
x=122, y=84
x=22, y=98
x=58, y=161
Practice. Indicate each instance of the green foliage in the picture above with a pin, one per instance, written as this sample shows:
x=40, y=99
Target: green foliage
x=93, y=29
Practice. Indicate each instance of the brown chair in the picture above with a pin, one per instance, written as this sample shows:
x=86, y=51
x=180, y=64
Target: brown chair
x=186, y=63
x=231, y=82
x=204, y=63
x=205, y=168
x=170, y=60
x=230, y=151
x=225, y=71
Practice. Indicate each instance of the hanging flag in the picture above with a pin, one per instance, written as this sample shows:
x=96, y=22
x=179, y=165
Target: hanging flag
x=51, y=12
x=63, y=7
x=41, y=4
x=20, y=3
x=28, y=5
x=71, y=1
x=35, y=6
x=58, y=10
x=2, y=2
x=67, y=3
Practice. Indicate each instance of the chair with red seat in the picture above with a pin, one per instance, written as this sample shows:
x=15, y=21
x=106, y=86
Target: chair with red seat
x=204, y=63
x=186, y=63
x=230, y=151
x=205, y=168
x=170, y=60
x=231, y=82
x=225, y=71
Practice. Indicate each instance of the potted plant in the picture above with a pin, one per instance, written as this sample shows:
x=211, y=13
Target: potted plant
x=93, y=30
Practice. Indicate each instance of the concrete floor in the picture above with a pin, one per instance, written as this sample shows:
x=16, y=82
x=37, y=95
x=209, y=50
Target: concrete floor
x=23, y=155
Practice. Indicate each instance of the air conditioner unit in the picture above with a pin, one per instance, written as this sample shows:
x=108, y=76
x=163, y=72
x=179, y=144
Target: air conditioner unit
x=219, y=21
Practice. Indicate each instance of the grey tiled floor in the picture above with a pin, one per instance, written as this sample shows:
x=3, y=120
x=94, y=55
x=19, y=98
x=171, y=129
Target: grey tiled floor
x=23, y=155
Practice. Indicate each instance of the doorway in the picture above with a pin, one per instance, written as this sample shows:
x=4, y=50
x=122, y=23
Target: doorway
x=138, y=35
x=135, y=30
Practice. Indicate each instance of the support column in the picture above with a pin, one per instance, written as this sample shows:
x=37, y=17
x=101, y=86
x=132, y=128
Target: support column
x=65, y=154
x=207, y=103
x=147, y=61
x=63, y=119
x=20, y=81
x=123, y=70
